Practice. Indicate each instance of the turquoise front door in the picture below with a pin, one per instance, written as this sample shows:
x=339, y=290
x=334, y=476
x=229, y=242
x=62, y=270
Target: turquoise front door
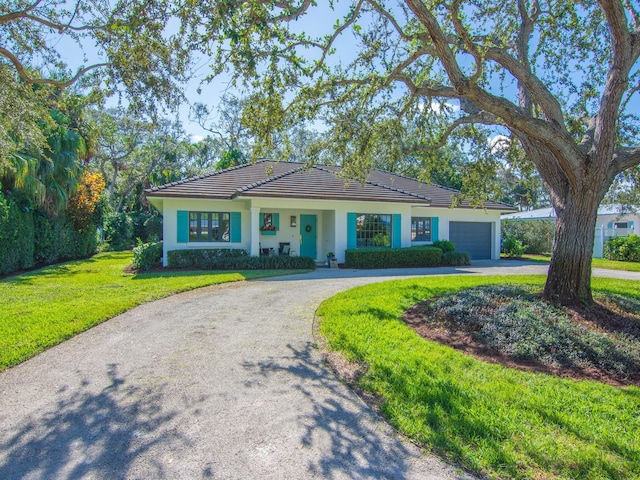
x=308, y=236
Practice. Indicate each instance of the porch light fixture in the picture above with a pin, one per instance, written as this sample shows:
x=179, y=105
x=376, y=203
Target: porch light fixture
x=293, y=221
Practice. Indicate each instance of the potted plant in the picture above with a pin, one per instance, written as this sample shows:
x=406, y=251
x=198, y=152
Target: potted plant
x=330, y=257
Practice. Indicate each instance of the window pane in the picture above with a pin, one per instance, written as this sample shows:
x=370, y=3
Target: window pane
x=373, y=230
x=193, y=226
x=209, y=227
x=420, y=229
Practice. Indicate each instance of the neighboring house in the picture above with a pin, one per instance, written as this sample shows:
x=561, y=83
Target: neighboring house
x=610, y=223
x=280, y=207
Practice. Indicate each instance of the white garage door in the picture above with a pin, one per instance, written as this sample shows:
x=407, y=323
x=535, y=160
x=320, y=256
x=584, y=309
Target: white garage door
x=472, y=237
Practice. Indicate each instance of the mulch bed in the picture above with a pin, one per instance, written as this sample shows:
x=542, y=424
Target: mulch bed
x=602, y=317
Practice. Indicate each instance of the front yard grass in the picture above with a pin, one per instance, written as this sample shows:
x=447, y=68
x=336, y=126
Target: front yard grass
x=42, y=308
x=492, y=420
x=595, y=263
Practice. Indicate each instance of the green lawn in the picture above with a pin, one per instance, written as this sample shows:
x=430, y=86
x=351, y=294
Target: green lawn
x=45, y=307
x=499, y=422
x=596, y=263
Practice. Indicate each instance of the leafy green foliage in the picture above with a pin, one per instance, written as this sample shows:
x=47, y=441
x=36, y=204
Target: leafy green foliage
x=204, y=258
x=393, y=257
x=624, y=249
x=16, y=236
x=455, y=259
x=535, y=235
x=512, y=247
x=31, y=236
x=496, y=421
x=234, y=259
x=444, y=245
x=147, y=255
x=118, y=231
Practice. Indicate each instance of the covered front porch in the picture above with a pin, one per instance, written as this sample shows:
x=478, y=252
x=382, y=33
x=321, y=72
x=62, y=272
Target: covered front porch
x=289, y=231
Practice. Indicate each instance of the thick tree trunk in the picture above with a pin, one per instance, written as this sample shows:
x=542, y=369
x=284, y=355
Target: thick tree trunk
x=569, y=278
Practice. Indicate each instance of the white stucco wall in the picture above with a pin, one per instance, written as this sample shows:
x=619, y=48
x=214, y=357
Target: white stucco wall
x=331, y=224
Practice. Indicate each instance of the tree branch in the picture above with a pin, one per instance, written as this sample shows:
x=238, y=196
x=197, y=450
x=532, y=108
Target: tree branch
x=624, y=158
x=22, y=72
x=300, y=10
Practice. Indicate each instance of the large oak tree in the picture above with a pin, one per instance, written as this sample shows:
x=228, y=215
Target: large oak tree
x=560, y=77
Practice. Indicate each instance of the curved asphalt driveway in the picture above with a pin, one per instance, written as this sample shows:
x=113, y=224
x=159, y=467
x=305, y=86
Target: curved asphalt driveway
x=221, y=382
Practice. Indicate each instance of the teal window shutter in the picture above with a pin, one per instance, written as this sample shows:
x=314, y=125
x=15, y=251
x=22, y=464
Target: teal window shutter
x=434, y=229
x=236, y=227
x=276, y=220
x=351, y=230
x=630, y=224
x=610, y=225
x=396, y=232
x=183, y=226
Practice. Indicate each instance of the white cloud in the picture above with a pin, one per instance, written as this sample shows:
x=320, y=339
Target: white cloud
x=439, y=107
x=499, y=143
x=196, y=138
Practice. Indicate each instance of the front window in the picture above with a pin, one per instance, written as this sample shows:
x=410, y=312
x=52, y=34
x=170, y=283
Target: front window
x=208, y=227
x=373, y=230
x=420, y=229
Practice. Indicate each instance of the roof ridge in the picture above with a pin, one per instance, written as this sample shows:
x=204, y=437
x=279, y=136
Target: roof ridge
x=270, y=179
x=387, y=187
x=200, y=177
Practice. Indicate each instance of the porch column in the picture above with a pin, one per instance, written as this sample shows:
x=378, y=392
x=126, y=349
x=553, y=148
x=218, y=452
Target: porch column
x=255, y=231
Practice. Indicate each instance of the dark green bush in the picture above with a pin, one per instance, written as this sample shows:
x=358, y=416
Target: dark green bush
x=393, y=257
x=153, y=226
x=16, y=236
x=623, y=249
x=118, y=231
x=147, y=255
x=455, y=259
x=268, y=262
x=234, y=259
x=512, y=247
x=204, y=258
x=444, y=245
x=30, y=237
x=536, y=236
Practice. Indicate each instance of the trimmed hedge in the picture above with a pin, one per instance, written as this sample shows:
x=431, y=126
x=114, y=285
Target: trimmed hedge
x=393, y=257
x=623, y=249
x=444, y=245
x=29, y=237
x=455, y=259
x=234, y=259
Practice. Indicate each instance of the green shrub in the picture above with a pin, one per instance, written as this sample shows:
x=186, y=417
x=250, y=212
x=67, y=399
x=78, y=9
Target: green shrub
x=153, y=226
x=16, y=235
x=393, y=257
x=204, y=258
x=118, y=231
x=455, y=259
x=234, y=259
x=444, y=245
x=623, y=249
x=535, y=235
x=267, y=262
x=147, y=255
x=512, y=247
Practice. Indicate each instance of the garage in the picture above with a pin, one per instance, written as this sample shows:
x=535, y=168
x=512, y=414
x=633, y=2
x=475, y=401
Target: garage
x=472, y=237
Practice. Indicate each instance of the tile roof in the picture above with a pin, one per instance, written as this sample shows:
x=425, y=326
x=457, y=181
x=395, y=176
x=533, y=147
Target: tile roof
x=271, y=179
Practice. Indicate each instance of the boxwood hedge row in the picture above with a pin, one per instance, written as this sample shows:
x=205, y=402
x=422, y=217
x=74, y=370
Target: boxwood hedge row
x=234, y=259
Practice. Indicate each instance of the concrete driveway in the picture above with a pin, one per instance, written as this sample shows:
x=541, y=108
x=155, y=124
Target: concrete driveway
x=221, y=382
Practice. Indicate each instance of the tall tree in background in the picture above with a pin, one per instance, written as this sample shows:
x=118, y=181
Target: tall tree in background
x=124, y=47
x=558, y=77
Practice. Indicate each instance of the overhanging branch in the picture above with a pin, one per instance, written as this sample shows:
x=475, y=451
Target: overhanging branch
x=22, y=72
